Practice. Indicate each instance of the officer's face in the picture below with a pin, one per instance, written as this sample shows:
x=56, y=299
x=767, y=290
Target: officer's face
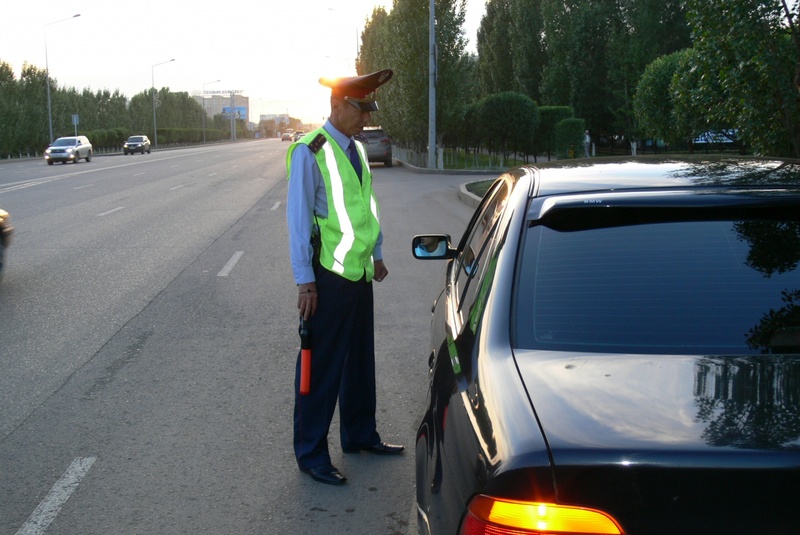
x=347, y=118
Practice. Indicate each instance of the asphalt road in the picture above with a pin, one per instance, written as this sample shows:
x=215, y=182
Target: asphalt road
x=148, y=336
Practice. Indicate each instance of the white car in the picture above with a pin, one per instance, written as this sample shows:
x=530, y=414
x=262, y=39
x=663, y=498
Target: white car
x=69, y=149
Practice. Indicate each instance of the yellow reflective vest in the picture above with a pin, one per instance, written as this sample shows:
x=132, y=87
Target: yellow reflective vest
x=349, y=234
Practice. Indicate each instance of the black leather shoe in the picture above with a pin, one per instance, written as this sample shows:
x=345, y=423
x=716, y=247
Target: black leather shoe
x=381, y=448
x=327, y=474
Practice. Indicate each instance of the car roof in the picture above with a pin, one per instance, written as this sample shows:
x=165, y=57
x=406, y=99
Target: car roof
x=632, y=184
x=666, y=173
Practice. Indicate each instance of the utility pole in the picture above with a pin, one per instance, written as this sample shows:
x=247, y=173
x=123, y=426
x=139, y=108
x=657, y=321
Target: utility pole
x=432, y=88
x=233, y=119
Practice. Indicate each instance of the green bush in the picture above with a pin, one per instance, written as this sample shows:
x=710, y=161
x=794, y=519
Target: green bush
x=569, y=137
x=550, y=117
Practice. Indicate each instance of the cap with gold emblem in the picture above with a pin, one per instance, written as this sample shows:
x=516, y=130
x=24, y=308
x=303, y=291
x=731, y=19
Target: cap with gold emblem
x=359, y=91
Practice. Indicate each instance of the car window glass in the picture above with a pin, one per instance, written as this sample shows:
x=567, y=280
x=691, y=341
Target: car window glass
x=711, y=287
x=470, y=265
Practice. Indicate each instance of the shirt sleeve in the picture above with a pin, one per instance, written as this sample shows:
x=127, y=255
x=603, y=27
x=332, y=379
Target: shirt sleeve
x=304, y=182
x=377, y=253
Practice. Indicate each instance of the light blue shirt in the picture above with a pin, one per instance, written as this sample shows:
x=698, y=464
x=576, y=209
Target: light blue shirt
x=307, y=196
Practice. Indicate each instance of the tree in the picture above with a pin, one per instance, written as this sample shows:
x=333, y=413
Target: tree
x=510, y=46
x=654, y=104
x=649, y=29
x=32, y=133
x=526, y=44
x=495, y=66
x=744, y=49
x=9, y=115
x=404, y=100
x=556, y=83
x=454, y=68
x=598, y=49
x=140, y=110
x=374, y=52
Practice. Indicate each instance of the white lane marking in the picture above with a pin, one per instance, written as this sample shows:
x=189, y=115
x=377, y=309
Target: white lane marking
x=50, y=506
x=118, y=208
x=82, y=171
x=231, y=264
x=275, y=206
x=212, y=174
x=176, y=187
x=81, y=187
x=138, y=174
x=85, y=170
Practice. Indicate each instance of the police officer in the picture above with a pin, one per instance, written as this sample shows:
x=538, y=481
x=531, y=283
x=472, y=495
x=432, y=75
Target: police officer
x=335, y=249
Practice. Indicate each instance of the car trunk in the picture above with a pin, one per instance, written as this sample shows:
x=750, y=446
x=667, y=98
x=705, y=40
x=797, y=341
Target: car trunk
x=673, y=444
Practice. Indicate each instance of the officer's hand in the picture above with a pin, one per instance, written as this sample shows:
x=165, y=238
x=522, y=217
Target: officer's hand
x=380, y=271
x=307, y=299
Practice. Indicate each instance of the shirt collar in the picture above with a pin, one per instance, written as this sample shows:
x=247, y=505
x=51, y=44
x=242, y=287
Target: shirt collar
x=341, y=139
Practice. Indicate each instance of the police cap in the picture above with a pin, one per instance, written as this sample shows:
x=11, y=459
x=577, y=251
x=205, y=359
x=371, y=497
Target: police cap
x=359, y=91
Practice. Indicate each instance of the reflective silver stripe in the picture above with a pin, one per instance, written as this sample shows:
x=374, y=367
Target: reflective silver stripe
x=373, y=205
x=362, y=151
x=337, y=195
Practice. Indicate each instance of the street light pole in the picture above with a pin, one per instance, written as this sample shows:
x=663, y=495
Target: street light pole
x=204, y=108
x=47, y=75
x=153, y=86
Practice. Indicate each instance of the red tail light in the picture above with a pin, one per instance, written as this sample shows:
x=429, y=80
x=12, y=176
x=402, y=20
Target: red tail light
x=492, y=516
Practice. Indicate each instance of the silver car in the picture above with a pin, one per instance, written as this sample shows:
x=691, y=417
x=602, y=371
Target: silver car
x=378, y=145
x=69, y=149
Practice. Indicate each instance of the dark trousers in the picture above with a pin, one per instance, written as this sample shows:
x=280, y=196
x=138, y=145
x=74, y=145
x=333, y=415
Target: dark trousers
x=342, y=367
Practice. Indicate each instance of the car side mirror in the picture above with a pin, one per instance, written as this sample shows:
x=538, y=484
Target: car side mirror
x=432, y=247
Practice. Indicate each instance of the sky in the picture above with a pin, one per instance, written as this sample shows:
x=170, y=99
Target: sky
x=273, y=51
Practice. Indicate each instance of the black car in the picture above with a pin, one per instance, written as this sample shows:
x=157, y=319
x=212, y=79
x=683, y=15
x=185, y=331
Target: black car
x=139, y=144
x=616, y=349
x=6, y=231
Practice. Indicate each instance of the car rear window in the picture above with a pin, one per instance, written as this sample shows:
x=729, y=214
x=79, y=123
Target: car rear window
x=709, y=287
x=374, y=134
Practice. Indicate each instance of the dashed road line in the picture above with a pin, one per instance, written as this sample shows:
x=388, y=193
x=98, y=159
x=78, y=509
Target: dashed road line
x=231, y=264
x=118, y=208
x=49, y=507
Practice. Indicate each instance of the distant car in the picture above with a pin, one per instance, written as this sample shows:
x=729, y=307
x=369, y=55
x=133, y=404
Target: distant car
x=137, y=144
x=615, y=348
x=286, y=136
x=378, y=145
x=69, y=149
x=298, y=135
x=6, y=231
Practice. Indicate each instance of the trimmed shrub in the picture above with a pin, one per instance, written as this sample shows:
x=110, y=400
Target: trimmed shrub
x=569, y=137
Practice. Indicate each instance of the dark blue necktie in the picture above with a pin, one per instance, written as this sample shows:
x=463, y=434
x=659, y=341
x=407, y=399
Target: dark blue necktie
x=352, y=153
